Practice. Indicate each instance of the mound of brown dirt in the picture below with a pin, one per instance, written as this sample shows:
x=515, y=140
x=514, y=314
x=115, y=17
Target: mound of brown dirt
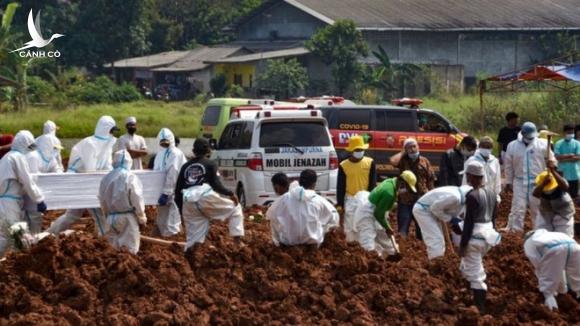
x=80, y=280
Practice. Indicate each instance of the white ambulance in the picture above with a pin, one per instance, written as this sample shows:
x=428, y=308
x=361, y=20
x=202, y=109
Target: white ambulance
x=251, y=150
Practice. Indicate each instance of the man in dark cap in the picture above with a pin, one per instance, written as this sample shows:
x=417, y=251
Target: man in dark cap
x=200, y=196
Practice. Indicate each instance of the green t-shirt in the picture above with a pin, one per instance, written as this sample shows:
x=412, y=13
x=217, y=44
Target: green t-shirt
x=384, y=197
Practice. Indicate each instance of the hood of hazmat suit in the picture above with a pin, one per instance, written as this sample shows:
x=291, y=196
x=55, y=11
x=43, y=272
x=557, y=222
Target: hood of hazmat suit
x=301, y=217
x=15, y=179
x=49, y=128
x=169, y=160
x=94, y=153
x=46, y=158
x=121, y=191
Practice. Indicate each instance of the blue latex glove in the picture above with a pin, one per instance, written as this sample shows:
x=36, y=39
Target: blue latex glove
x=163, y=199
x=455, y=220
x=41, y=207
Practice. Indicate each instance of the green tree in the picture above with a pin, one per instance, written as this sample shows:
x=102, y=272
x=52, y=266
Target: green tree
x=339, y=45
x=13, y=68
x=284, y=78
x=387, y=77
x=107, y=30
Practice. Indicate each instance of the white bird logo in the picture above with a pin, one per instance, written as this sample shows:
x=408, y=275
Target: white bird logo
x=34, y=31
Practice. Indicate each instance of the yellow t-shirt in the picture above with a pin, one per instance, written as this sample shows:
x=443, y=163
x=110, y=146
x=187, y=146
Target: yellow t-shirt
x=357, y=174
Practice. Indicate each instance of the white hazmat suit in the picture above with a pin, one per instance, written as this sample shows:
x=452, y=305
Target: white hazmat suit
x=170, y=161
x=200, y=205
x=45, y=159
x=492, y=169
x=522, y=164
x=557, y=214
x=438, y=205
x=121, y=198
x=91, y=154
x=301, y=216
x=556, y=259
x=15, y=183
x=369, y=233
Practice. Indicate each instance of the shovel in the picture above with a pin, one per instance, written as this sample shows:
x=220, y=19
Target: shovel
x=448, y=241
x=145, y=238
x=397, y=256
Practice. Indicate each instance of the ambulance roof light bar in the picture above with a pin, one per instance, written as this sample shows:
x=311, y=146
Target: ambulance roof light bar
x=288, y=114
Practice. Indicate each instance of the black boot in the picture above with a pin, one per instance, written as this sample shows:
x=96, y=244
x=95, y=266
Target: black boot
x=479, y=299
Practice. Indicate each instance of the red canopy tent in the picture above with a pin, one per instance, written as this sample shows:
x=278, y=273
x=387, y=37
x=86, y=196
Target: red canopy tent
x=561, y=74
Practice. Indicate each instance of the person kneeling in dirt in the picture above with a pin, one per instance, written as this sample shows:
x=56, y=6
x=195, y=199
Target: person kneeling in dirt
x=301, y=216
x=121, y=198
x=556, y=206
x=432, y=210
x=478, y=234
x=371, y=226
x=556, y=259
x=198, y=197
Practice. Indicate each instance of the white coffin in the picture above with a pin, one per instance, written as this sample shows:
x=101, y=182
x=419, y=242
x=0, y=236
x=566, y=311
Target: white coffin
x=80, y=190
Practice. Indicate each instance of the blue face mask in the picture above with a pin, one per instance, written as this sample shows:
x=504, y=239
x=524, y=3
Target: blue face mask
x=413, y=156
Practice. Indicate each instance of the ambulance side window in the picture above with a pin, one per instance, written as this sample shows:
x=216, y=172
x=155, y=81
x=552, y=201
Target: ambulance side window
x=429, y=122
x=237, y=136
x=246, y=136
x=400, y=121
x=354, y=119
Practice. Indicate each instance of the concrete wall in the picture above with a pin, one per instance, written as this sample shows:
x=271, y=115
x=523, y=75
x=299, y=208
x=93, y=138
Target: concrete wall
x=488, y=53
x=285, y=20
x=482, y=52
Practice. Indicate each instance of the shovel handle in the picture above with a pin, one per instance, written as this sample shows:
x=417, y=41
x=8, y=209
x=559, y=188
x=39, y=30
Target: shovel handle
x=160, y=241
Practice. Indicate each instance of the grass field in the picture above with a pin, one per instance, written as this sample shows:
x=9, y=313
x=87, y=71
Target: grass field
x=184, y=117
x=181, y=117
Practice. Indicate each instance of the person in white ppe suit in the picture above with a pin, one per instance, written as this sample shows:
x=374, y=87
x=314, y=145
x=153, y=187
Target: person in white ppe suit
x=15, y=182
x=201, y=197
x=525, y=158
x=557, y=209
x=478, y=234
x=492, y=168
x=301, y=216
x=121, y=198
x=443, y=204
x=169, y=159
x=556, y=260
x=46, y=158
x=371, y=222
x=91, y=154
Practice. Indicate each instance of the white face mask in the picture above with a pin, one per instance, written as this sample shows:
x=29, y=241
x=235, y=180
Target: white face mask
x=358, y=155
x=569, y=136
x=485, y=152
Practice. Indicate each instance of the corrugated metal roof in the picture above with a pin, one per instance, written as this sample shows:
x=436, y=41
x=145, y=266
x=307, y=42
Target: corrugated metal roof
x=150, y=61
x=447, y=14
x=196, y=58
x=263, y=56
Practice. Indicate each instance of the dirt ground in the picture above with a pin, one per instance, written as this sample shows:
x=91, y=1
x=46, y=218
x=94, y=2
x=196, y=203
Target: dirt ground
x=81, y=280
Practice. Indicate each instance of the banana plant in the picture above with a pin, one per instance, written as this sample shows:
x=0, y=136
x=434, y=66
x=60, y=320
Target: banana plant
x=14, y=69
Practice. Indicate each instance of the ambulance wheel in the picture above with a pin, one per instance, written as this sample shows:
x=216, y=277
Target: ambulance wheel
x=241, y=195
